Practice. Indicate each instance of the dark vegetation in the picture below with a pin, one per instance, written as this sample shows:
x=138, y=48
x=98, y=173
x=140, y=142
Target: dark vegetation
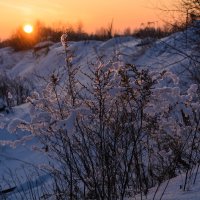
x=22, y=41
x=13, y=91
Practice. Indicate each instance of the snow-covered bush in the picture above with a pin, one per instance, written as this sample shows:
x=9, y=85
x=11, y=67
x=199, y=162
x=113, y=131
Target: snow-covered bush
x=95, y=135
x=116, y=134
x=121, y=130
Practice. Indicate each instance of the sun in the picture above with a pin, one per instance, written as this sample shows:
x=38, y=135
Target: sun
x=28, y=28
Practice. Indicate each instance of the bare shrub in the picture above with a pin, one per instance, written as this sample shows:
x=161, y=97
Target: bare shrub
x=115, y=132
x=14, y=91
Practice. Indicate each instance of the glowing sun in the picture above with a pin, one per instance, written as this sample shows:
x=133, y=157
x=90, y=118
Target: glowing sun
x=28, y=28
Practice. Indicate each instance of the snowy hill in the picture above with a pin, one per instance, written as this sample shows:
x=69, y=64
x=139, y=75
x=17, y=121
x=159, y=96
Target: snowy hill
x=168, y=53
x=171, y=53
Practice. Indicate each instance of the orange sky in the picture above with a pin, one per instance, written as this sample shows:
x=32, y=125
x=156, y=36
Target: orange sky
x=92, y=13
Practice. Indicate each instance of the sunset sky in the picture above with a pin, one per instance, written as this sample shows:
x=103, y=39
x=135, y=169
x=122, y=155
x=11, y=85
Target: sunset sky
x=92, y=13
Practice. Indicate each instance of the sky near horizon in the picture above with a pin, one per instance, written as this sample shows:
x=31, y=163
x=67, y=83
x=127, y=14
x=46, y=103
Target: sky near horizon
x=93, y=14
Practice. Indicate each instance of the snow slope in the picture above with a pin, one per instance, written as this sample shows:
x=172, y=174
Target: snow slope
x=170, y=190
x=159, y=55
x=168, y=53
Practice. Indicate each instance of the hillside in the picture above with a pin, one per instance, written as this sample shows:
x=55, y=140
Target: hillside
x=171, y=54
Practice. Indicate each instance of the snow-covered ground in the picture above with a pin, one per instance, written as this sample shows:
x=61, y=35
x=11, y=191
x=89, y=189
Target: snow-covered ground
x=158, y=55
x=171, y=190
